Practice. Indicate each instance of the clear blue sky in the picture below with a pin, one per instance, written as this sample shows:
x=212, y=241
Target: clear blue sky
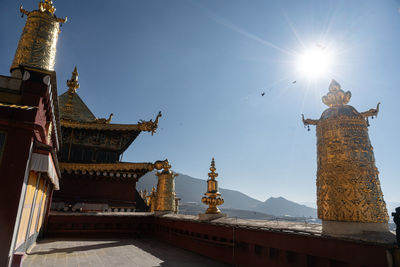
x=205, y=63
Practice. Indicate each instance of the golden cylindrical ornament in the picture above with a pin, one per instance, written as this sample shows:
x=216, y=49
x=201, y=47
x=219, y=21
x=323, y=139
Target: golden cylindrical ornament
x=348, y=187
x=165, y=191
x=37, y=46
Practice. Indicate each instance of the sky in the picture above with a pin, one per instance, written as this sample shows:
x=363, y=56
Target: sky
x=204, y=64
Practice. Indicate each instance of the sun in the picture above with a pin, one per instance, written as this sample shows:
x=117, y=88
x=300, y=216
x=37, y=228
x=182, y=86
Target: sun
x=315, y=62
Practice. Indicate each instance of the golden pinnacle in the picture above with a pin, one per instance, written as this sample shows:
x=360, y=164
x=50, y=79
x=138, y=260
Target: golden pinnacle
x=212, y=198
x=73, y=83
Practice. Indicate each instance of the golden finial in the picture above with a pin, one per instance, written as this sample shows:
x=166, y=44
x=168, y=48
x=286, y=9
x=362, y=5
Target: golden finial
x=336, y=96
x=47, y=5
x=212, y=198
x=73, y=83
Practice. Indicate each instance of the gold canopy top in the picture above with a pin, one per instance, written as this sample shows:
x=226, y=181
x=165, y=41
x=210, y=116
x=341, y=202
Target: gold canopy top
x=46, y=5
x=336, y=96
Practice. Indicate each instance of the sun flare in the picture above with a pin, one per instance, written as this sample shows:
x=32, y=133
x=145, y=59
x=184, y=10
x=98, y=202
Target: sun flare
x=315, y=62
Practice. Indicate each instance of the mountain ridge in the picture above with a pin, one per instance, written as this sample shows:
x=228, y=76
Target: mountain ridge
x=191, y=189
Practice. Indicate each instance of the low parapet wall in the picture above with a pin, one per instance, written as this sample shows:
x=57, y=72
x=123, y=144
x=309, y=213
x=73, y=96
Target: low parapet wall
x=262, y=243
x=234, y=241
x=99, y=225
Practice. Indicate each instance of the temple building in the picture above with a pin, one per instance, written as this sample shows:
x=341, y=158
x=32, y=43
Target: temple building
x=90, y=158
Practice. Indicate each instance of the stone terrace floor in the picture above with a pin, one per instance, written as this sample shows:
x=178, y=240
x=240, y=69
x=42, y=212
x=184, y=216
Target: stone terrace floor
x=112, y=252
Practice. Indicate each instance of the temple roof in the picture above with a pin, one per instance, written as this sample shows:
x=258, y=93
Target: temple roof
x=72, y=108
x=75, y=114
x=102, y=126
x=114, y=167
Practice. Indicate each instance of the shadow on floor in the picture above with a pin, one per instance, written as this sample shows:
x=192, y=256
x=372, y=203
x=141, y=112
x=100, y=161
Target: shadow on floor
x=161, y=254
x=115, y=243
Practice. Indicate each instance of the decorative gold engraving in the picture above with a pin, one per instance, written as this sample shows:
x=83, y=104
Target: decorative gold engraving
x=348, y=187
x=149, y=126
x=100, y=126
x=37, y=45
x=212, y=198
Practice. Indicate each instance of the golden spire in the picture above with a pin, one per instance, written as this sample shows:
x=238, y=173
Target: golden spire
x=212, y=198
x=37, y=45
x=336, y=96
x=73, y=83
x=212, y=174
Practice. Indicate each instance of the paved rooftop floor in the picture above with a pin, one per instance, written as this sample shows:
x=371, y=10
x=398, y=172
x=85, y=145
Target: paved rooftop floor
x=107, y=252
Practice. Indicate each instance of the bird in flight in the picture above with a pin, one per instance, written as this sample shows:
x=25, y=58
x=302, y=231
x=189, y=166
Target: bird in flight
x=263, y=94
x=294, y=82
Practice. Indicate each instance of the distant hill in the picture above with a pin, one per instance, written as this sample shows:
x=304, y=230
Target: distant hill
x=191, y=190
x=280, y=206
x=194, y=208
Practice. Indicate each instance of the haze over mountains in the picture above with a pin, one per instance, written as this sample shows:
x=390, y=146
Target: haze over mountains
x=191, y=190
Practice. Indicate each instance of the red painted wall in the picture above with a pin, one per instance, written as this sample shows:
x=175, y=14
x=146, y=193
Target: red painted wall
x=134, y=225
x=102, y=189
x=12, y=172
x=255, y=247
x=22, y=127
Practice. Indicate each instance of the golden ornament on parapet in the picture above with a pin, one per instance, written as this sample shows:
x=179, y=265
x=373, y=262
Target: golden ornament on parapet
x=212, y=198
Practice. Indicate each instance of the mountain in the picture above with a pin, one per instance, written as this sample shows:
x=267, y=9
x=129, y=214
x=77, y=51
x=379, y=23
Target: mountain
x=191, y=190
x=194, y=208
x=280, y=206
